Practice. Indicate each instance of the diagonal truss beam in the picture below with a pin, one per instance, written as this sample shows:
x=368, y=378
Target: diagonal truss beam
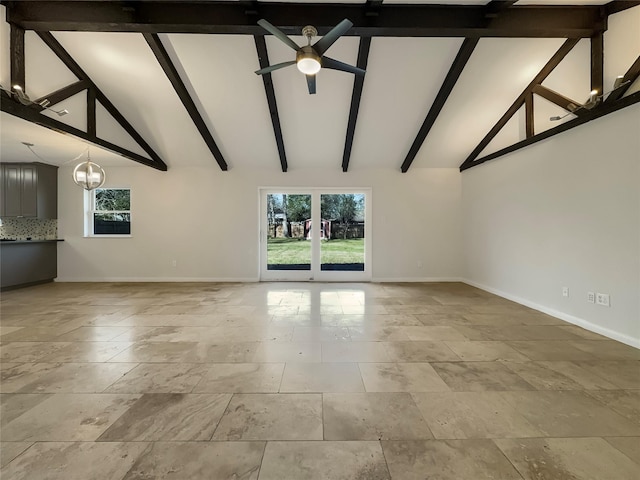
x=529, y=124
x=64, y=92
x=631, y=76
x=466, y=49
x=597, y=112
x=615, y=6
x=356, y=95
x=33, y=115
x=544, y=73
x=72, y=65
x=263, y=58
x=174, y=77
x=560, y=100
x=400, y=20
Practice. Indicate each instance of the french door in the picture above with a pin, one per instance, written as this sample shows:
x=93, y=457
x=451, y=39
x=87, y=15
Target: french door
x=315, y=234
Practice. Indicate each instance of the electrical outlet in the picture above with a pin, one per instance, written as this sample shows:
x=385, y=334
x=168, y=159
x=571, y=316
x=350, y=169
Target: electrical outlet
x=591, y=297
x=602, y=299
x=174, y=263
x=565, y=291
x=419, y=264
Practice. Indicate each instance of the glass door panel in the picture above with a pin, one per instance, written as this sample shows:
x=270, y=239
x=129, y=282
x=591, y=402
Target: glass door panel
x=342, y=233
x=315, y=234
x=288, y=240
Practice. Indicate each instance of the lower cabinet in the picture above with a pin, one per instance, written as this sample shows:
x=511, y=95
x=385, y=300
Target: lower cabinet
x=27, y=263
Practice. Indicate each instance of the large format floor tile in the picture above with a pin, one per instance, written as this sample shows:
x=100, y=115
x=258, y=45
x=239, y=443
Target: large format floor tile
x=198, y=461
x=74, y=461
x=460, y=415
x=160, y=378
x=321, y=377
x=480, y=376
x=68, y=417
x=447, y=460
x=63, y=377
x=570, y=414
x=324, y=461
x=241, y=378
x=293, y=381
x=401, y=377
x=372, y=416
x=168, y=417
x=272, y=417
x=583, y=458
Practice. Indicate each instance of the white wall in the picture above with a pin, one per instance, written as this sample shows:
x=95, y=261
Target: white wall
x=208, y=221
x=563, y=212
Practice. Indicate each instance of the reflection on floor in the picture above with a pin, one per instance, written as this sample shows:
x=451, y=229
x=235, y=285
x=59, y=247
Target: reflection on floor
x=308, y=381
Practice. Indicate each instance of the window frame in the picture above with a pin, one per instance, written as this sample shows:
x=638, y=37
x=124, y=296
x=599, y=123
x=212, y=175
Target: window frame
x=90, y=211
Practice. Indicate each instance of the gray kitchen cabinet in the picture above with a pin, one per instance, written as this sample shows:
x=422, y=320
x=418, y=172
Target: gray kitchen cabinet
x=29, y=190
x=28, y=262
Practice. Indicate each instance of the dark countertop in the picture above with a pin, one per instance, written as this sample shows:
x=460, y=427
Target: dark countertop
x=20, y=242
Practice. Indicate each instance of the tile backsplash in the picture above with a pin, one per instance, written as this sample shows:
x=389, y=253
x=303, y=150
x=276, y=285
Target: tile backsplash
x=23, y=228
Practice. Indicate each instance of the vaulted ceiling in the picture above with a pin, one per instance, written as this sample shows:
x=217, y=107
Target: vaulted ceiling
x=172, y=83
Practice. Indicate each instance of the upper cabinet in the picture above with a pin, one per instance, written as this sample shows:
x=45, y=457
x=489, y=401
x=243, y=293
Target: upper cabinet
x=29, y=190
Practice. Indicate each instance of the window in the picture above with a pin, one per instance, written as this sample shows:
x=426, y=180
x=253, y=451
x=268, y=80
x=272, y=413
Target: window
x=109, y=212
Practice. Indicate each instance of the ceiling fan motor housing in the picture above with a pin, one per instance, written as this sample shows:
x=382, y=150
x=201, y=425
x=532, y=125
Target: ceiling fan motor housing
x=307, y=52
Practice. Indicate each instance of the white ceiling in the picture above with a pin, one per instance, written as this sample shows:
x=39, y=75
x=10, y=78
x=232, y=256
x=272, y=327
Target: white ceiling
x=403, y=78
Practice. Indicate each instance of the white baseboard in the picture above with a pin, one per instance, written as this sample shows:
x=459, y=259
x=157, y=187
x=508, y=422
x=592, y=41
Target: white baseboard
x=592, y=327
x=416, y=279
x=157, y=279
x=238, y=280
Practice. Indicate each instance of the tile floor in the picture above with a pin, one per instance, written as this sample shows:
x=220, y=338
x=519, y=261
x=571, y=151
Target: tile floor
x=308, y=381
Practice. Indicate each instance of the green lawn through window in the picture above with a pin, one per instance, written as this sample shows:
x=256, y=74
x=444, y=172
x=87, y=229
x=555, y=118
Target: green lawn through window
x=290, y=251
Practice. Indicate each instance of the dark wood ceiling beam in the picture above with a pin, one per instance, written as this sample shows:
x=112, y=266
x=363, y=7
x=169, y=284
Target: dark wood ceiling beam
x=178, y=85
x=414, y=20
x=16, y=44
x=597, y=63
x=466, y=49
x=529, y=124
x=73, y=66
x=629, y=77
x=616, y=6
x=92, y=127
x=564, y=102
x=599, y=111
x=33, y=115
x=495, y=7
x=562, y=52
x=356, y=95
x=263, y=59
x=64, y=92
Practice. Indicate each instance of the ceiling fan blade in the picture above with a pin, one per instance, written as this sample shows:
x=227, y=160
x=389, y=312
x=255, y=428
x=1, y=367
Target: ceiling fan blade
x=334, y=34
x=277, y=66
x=311, y=84
x=274, y=31
x=337, y=65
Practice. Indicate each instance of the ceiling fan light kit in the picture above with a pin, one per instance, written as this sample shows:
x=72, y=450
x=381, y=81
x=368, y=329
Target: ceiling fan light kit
x=310, y=58
x=307, y=61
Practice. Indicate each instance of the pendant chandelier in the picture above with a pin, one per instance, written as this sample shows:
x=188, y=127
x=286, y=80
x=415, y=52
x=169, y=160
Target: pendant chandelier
x=89, y=175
